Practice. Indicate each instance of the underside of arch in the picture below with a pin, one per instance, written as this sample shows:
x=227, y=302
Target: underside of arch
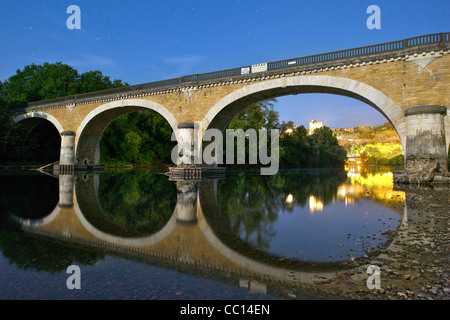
x=228, y=107
x=89, y=133
x=34, y=119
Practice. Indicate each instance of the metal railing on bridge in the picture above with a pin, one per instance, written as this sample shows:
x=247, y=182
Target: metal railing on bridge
x=389, y=47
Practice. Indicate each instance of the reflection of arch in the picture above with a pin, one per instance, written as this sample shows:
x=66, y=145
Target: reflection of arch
x=90, y=131
x=86, y=201
x=208, y=201
x=36, y=223
x=41, y=115
x=226, y=109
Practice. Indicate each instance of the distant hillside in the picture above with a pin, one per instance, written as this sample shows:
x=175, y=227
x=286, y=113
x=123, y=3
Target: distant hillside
x=376, y=145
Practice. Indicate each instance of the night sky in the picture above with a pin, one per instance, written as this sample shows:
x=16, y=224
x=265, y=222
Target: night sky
x=144, y=41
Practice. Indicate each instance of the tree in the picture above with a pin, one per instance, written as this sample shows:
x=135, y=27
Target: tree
x=10, y=139
x=286, y=125
x=321, y=149
x=260, y=115
x=142, y=137
x=40, y=82
x=325, y=148
x=95, y=81
x=52, y=80
x=294, y=150
x=2, y=94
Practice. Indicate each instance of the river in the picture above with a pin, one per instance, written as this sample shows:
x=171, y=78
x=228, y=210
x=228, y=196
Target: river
x=134, y=234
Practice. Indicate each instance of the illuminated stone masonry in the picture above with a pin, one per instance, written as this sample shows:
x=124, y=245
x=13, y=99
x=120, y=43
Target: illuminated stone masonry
x=407, y=81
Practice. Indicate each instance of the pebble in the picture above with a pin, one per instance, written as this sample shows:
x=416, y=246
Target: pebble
x=415, y=264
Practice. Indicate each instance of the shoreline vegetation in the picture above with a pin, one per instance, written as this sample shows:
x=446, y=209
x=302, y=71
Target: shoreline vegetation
x=374, y=145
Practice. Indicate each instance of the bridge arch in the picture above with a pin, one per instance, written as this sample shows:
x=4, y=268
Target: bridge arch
x=228, y=107
x=41, y=132
x=40, y=115
x=90, y=131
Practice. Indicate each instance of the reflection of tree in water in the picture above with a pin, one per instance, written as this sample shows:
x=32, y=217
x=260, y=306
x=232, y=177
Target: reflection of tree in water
x=251, y=208
x=39, y=253
x=323, y=186
x=250, y=204
x=34, y=196
x=141, y=201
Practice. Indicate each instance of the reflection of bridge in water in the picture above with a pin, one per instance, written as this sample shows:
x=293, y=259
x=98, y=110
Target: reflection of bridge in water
x=187, y=239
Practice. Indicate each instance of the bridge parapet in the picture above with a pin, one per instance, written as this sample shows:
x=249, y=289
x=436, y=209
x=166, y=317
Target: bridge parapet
x=397, y=50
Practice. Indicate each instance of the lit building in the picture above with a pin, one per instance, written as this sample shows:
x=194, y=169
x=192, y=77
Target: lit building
x=314, y=125
x=289, y=131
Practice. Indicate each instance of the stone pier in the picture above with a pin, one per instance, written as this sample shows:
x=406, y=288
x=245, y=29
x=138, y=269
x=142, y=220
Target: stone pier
x=426, y=152
x=66, y=186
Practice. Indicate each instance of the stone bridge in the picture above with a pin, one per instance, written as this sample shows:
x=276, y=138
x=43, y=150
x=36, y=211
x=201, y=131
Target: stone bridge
x=407, y=81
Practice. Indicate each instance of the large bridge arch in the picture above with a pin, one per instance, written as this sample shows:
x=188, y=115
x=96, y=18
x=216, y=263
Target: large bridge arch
x=40, y=115
x=42, y=133
x=228, y=107
x=90, y=131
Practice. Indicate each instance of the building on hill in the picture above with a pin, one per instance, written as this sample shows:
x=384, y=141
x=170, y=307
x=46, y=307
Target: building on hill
x=314, y=125
x=289, y=130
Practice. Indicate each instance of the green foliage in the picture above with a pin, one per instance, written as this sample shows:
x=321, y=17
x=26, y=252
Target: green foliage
x=297, y=149
x=257, y=116
x=137, y=203
x=51, y=80
x=142, y=137
x=131, y=146
x=95, y=81
x=250, y=204
x=378, y=145
x=20, y=143
x=286, y=125
x=383, y=153
x=2, y=94
x=260, y=115
x=9, y=138
x=294, y=149
x=38, y=82
x=321, y=149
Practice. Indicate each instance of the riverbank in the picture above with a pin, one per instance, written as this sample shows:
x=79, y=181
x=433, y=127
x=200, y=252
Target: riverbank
x=414, y=266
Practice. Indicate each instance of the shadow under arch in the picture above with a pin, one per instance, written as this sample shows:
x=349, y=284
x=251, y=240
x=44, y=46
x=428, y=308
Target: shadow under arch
x=29, y=198
x=90, y=131
x=41, y=134
x=228, y=107
x=39, y=115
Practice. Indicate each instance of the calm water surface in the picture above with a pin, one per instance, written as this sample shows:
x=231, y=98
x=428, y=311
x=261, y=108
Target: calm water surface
x=137, y=235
